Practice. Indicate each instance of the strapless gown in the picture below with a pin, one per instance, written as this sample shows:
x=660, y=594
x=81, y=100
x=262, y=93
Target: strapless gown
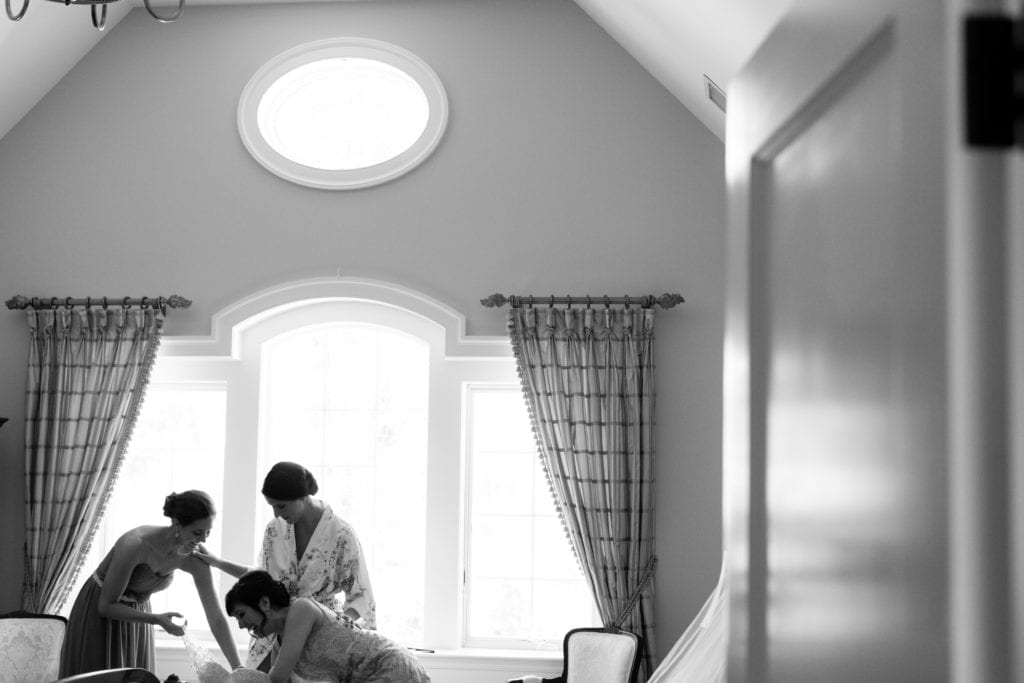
x=93, y=643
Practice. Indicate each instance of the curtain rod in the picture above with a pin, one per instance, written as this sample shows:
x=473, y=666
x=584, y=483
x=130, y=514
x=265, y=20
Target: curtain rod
x=518, y=301
x=161, y=302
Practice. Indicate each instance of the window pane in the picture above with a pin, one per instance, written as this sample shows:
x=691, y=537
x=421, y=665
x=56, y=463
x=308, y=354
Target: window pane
x=523, y=582
x=353, y=411
x=177, y=444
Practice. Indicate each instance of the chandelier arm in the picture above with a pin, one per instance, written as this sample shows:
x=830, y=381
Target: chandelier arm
x=16, y=17
x=168, y=19
x=99, y=24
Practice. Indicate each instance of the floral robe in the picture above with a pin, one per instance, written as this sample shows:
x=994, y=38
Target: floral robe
x=333, y=563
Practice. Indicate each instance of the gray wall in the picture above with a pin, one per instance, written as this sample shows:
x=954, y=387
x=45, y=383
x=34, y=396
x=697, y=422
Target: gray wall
x=566, y=168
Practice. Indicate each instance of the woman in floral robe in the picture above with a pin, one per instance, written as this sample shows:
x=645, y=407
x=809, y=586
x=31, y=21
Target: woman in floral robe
x=310, y=550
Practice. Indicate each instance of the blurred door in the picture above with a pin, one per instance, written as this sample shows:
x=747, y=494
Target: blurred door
x=866, y=355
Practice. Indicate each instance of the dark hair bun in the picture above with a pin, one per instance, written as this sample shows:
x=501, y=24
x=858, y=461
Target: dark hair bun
x=188, y=506
x=289, y=481
x=254, y=585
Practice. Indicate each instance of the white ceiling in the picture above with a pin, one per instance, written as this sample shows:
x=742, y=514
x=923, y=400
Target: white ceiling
x=677, y=41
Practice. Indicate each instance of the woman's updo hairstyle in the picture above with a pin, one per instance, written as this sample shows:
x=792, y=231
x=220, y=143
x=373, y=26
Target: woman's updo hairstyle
x=289, y=481
x=252, y=586
x=189, y=506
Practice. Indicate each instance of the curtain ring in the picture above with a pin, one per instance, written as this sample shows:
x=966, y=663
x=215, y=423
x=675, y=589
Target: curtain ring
x=88, y=302
x=105, y=302
x=124, y=303
x=53, y=302
x=67, y=303
x=531, y=301
x=607, y=302
x=143, y=304
x=627, y=302
x=588, y=301
x=551, y=301
x=568, y=301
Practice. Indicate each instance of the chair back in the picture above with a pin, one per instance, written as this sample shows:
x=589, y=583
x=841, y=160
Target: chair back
x=597, y=654
x=31, y=645
x=122, y=675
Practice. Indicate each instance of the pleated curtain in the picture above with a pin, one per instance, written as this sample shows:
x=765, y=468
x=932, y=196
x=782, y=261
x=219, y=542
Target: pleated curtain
x=87, y=371
x=588, y=379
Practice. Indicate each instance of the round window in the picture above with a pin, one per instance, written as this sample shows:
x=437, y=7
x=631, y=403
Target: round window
x=342, y=113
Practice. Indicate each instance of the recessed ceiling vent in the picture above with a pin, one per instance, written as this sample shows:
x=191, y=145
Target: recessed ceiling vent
x=714, y=93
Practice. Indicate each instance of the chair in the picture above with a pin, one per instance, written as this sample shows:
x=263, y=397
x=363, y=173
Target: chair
x=31, y=646
x=123, y=675
x=595, y=655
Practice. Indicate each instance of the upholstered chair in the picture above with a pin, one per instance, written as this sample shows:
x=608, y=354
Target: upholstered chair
x=595, y=654
x=31, y=646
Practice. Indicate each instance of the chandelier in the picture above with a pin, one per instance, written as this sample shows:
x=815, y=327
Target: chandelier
x=99, y=10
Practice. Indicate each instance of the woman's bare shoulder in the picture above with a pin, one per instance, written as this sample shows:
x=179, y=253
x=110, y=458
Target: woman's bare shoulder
x=305, y=605
x=140, y=538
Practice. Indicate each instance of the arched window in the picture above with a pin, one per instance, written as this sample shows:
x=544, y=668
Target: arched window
x=417, y=434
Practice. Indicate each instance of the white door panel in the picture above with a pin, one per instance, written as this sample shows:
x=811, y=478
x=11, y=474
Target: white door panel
x=840, y=503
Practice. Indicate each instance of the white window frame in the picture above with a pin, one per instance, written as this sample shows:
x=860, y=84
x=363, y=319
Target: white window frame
x=345, y=47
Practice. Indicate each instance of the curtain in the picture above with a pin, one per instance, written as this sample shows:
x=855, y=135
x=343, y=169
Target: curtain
x=588, y=379
x=87, y=372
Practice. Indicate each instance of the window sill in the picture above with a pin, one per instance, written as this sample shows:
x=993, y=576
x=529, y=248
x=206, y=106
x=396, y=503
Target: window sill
x=491, y=654
x=476, y=664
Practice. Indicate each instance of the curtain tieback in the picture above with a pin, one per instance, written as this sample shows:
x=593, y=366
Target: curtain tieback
x=28, y=586
x=637, y=593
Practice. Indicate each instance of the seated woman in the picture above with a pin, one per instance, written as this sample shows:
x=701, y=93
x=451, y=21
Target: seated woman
x=316, y=643
x=111, y=625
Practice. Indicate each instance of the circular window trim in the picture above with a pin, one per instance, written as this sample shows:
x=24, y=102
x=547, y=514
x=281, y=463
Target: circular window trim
x=347, y=179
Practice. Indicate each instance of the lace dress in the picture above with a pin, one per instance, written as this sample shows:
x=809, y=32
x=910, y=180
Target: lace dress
x=339, y=652
x=93, y=643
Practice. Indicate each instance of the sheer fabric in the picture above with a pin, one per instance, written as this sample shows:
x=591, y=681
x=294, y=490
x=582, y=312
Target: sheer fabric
x=87, y=372
x=588, y=377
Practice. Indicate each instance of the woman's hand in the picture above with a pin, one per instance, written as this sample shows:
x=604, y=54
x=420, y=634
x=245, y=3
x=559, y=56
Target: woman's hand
x=206, y=556
x=166, y=622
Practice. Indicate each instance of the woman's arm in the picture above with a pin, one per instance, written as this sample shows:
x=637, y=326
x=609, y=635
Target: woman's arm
x=127, y=554
x=202, y=577
x=230, y=568
x=303, y=614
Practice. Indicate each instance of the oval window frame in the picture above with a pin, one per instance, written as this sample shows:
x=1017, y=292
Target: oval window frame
x=332, y=48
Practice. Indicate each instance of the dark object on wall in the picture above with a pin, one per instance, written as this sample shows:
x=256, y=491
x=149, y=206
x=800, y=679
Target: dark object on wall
x=994, y=81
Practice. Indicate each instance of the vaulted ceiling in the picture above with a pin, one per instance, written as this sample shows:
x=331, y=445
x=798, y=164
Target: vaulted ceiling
x=680, y=42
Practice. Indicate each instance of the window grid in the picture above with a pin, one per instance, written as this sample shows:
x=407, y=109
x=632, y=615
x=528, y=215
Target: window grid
x=365, y=444
x=523, y=588
x=177, y=444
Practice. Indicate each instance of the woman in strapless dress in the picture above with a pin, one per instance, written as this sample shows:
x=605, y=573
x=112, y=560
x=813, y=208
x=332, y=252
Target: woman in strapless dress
x=111, y=625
